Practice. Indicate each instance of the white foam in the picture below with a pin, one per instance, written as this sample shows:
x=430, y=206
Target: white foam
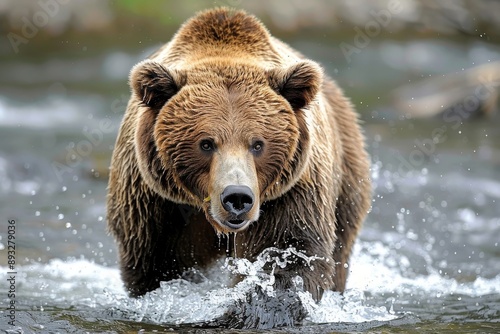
x=51, y=112
x=79, y=282
x=66, y=283
x=380, y=271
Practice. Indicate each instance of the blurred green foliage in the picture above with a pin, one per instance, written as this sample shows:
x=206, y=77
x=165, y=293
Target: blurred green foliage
x=166, y=12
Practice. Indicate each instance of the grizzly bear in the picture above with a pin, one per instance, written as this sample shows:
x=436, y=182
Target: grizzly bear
x=230, y=131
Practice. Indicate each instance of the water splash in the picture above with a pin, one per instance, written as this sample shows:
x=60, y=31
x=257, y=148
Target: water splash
x=180, y=301
x=378, y=279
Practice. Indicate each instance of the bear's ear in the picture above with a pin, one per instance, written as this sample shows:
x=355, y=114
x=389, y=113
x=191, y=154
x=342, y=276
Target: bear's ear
x=154, y=84
x=298, y=84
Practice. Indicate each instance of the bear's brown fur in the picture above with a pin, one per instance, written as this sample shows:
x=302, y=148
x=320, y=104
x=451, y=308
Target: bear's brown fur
x=230, y=130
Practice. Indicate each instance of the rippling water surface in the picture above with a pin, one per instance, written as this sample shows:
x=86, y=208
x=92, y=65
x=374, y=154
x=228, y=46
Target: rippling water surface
x=427, y=259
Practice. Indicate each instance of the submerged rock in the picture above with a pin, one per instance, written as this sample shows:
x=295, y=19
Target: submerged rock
x=468, y=94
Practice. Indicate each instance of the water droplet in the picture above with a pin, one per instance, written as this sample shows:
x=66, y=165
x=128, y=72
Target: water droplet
x=37, y=213
x=68, y=225
x=60, y=216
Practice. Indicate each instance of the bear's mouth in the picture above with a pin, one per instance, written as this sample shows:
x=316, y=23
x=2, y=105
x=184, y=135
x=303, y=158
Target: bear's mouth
x=235, y=223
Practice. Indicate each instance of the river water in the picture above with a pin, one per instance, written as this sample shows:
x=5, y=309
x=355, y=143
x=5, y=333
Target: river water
x=427, y=260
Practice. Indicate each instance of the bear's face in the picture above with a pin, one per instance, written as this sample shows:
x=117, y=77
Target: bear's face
x=228, y=136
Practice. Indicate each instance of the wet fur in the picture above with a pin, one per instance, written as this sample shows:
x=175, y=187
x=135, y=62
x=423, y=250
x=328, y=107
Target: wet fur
x=314, y=184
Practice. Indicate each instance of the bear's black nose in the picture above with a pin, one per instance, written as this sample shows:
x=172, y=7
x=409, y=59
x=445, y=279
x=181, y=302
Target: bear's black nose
x=237, y=200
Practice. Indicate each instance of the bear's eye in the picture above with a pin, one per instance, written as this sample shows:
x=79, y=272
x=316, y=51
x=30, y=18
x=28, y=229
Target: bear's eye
x=207, y=145
x=257, y=146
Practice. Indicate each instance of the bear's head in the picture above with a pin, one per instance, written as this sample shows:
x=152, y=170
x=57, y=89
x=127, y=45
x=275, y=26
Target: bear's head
x=223, y=135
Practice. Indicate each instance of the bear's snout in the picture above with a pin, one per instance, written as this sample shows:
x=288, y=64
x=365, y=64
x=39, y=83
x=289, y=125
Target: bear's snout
x=234, y=189
x=237, y=200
